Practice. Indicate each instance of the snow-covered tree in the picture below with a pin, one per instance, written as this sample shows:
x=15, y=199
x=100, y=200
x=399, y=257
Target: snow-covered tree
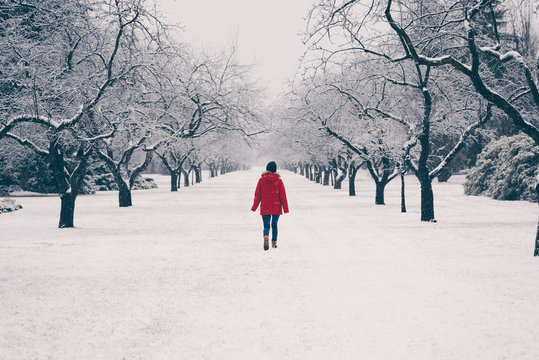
x=59, y=62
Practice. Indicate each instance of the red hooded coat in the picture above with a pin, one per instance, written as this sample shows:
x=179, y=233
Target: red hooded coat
x=270, y=193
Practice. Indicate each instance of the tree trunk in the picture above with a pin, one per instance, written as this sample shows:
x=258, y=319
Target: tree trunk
x=173, y=181
x=339, y=179
x=67, y=210
x=301, y=170
x=445, y=174
x=427, y=199
x=403, y=195
x=352, y=180
x=536, y=253
x=124, y=194
x=427, y=196
x=379, y=181
x=327, y=173
x=185, y=179
x=68, y=182
x=198, y=174
x=380, y=187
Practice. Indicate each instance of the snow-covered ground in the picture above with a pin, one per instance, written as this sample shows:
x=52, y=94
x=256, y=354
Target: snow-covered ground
x=183, y=276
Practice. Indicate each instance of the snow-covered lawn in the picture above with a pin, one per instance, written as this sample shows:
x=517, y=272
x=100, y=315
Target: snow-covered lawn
x=183, y=276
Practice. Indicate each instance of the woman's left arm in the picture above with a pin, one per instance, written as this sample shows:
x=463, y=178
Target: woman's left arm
x=282, y=197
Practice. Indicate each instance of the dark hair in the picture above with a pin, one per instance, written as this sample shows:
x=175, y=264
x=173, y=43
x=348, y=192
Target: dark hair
x=272, y=166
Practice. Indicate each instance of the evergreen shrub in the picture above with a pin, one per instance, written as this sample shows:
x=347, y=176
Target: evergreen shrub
x=506, y=170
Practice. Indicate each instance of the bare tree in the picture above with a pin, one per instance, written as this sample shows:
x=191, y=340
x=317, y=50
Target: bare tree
x=119, y=158
x=173, y=157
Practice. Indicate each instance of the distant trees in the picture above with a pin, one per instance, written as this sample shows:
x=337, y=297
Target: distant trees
x=337, y=117
x=173, y=157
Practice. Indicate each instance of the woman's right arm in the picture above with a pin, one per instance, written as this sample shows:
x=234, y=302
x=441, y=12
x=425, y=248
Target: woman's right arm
x=257, y=197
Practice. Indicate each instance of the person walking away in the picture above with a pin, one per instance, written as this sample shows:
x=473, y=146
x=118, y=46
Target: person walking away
x=271, y=196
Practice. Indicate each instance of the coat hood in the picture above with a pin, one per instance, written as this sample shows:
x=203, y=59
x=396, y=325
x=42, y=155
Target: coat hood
x=270, y=176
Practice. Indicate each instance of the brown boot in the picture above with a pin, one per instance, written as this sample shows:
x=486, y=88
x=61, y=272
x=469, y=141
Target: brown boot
x=266, y=242
x=274, y=244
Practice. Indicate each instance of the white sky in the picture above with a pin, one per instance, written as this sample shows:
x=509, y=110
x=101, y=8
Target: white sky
x=266, y=31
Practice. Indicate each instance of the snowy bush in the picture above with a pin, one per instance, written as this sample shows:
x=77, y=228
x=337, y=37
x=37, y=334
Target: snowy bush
x=29, y=172
x=144, y=183
x=506, y=170
x=22, y=169
x=8, y=205
x=105, y=182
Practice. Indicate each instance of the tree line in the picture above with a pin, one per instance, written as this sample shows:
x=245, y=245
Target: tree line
x=404, y=86
x=105, y=80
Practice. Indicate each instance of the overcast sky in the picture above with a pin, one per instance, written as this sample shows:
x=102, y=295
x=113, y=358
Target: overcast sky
x=266, y=31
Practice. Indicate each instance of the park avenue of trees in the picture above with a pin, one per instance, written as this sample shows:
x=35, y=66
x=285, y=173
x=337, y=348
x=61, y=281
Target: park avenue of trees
x=391, y=86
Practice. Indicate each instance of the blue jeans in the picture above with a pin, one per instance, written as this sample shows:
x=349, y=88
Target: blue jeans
x=266, y=220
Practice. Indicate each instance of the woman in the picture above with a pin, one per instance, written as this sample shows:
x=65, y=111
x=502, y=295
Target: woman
x=271, y=196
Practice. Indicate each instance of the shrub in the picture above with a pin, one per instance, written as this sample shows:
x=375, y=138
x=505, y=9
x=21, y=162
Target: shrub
x=144, y=183
x=24, y=170
x=506, y=170
x=8, y=205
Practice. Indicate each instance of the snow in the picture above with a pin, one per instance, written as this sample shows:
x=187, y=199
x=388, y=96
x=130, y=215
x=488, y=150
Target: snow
x=183, y=275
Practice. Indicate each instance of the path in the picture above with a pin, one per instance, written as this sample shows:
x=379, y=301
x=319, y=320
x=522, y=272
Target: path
x=184, y=276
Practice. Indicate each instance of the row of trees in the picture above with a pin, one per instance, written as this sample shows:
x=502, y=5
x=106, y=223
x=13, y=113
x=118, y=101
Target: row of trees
x=404, y=85
x=218, y=153
x=102, y=78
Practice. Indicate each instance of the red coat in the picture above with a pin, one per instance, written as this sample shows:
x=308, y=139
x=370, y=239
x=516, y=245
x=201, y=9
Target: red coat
x=270, y=193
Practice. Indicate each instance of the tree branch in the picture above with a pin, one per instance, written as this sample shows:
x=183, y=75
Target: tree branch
x=463, y=137
x=29, y=144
